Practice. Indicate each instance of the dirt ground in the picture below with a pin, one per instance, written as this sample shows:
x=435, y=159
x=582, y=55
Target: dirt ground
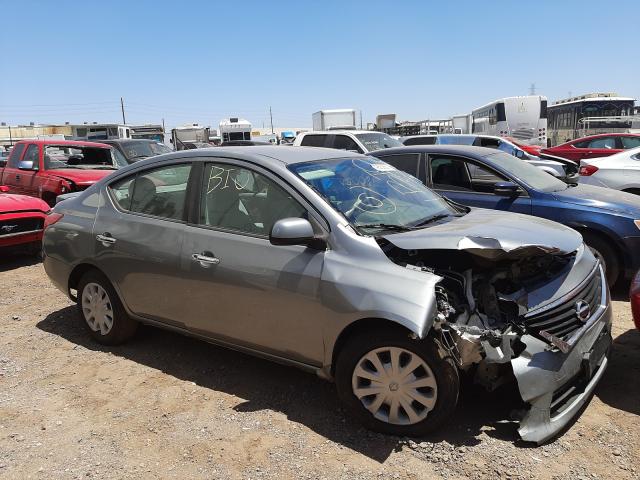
x=167, y=406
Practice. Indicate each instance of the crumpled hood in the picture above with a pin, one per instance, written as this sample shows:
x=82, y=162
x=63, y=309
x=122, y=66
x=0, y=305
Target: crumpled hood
x=20, y=203
x=492, y=234
x=80, y=177
x=601, y=197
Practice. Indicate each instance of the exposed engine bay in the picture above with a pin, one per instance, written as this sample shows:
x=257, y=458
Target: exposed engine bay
x=482, y=301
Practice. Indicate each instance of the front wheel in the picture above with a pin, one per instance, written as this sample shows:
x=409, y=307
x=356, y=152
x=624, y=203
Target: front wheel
x=102, y=312
x=396, y=385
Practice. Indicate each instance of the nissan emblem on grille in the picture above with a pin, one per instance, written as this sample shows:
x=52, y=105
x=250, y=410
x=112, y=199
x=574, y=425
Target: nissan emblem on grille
x=583, y=310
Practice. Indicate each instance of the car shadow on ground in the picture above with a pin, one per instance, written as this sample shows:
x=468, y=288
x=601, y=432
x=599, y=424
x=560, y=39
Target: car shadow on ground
x=620, y=387
x=9, y=261
x=302, y=397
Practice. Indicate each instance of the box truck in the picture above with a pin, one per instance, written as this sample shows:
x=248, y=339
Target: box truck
x=334, y=119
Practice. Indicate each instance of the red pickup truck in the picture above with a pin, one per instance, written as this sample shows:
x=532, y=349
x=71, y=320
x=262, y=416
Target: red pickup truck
x=48, y=168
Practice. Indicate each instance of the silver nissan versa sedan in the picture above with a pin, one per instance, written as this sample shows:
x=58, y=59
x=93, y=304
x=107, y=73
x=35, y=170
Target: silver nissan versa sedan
x=340, y=264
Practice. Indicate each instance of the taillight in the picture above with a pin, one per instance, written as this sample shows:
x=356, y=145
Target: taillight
x=587, y=170
x=634, y=297
x=51, y=218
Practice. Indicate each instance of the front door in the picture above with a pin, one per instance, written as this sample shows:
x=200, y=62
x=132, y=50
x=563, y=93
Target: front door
x=469, y=183
x=241, y=289
x=138, y=235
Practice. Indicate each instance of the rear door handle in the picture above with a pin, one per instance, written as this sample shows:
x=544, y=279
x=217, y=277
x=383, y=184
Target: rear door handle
x=205, y=259
x=106, y=239
x=17, y=177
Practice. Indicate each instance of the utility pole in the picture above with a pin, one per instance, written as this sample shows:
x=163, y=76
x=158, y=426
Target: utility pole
x=271, y=117
x=360, y=119
x=124, y=120
x=532, y=89
x=163, y=129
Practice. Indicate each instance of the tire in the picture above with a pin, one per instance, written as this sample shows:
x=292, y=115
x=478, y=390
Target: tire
x=439, y=383
x=606, y=254
x=104, y=318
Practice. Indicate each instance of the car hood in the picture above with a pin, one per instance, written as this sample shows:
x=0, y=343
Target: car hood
x=21, y=203
x=80, y=177
x=602, y=198
x=493, y=235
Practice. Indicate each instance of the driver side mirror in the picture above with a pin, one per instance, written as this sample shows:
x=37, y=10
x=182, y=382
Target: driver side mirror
x=294, y=231
x=27, y=165
x=506, y=189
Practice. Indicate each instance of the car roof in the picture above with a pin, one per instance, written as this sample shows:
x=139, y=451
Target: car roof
x=600, y=135
x=264, y=154
x=65, y=143
x=449, y=149
x=332, y=132
x=129, y=140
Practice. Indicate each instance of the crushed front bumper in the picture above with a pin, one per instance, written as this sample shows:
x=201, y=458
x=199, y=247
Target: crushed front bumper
x=556, y=385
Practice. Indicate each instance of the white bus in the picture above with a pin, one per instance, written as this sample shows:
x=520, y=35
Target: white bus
x=522, y=118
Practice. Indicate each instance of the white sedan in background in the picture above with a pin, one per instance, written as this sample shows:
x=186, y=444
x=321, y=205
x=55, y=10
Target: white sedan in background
x=620, y=171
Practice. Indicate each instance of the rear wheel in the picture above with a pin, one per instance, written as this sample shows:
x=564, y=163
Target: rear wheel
x=607, y=255
x=397, y=385
x=102, y=312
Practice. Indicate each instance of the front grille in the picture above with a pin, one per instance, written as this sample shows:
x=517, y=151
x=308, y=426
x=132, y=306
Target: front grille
x=19, y=225
x=562, y=320
x=523, y=133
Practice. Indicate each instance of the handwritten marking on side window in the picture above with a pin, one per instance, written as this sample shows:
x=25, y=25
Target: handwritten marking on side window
x=221, y=176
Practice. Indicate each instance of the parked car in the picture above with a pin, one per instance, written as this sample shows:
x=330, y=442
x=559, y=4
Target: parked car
x=22, y=220
x=620, y=171
x=608, y=220
x=634, y=298
x=530, y=149
x=359, y=141
x=137, y=148
x=340, y=264
x=595, y=146
x=558, y=167
x=47, y=168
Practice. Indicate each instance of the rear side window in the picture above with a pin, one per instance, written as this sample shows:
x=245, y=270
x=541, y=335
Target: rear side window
x=14, y=157
x=407, y=162
x=630, y=142
x=160, y=192
x=606, y=142
x=313, y=140
x=342, y=142
x=420, y=141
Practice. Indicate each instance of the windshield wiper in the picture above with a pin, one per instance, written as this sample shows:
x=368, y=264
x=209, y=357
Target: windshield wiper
x=385, y=226
x=435, y=218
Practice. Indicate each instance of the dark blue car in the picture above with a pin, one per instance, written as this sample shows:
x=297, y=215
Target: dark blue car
x=608, y=220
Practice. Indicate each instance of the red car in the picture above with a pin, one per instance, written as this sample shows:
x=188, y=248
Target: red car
x=22, y=220
x=48, y=168
x=595, y=146
x=530, y=149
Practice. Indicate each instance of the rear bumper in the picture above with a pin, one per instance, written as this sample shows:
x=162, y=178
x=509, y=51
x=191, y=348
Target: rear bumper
x=556, y=385
x=58, y=273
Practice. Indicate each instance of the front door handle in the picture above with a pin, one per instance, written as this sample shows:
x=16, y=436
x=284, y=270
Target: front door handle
x=205, y=259
x=17, y=177
x=106, y=239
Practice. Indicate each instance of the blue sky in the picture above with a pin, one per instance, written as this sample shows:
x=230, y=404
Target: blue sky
x=202, y=61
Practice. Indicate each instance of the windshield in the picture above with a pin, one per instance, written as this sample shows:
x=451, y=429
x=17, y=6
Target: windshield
x=138, y=150
x=377, y=141
x=62, y=156
x=533, y=176
x=372, y=194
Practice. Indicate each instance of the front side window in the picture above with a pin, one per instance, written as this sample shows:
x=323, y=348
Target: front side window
x=454, y=173
x=32, y=155
x=342, y=142
x=373, y=195
x=242, y=200
x=630, y=142
x=14, y=156
x=160, y=192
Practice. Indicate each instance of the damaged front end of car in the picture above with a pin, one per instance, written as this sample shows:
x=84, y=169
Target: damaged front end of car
x=505, y=309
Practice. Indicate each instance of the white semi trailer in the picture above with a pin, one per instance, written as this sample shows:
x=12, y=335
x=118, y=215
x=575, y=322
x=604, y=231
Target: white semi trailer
x=334, y=119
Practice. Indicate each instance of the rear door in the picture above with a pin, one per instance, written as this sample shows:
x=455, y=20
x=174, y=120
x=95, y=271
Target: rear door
x=138, y=236
x=345, y=142
x=11, y=173
x=466, y=181
x=315, y=140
